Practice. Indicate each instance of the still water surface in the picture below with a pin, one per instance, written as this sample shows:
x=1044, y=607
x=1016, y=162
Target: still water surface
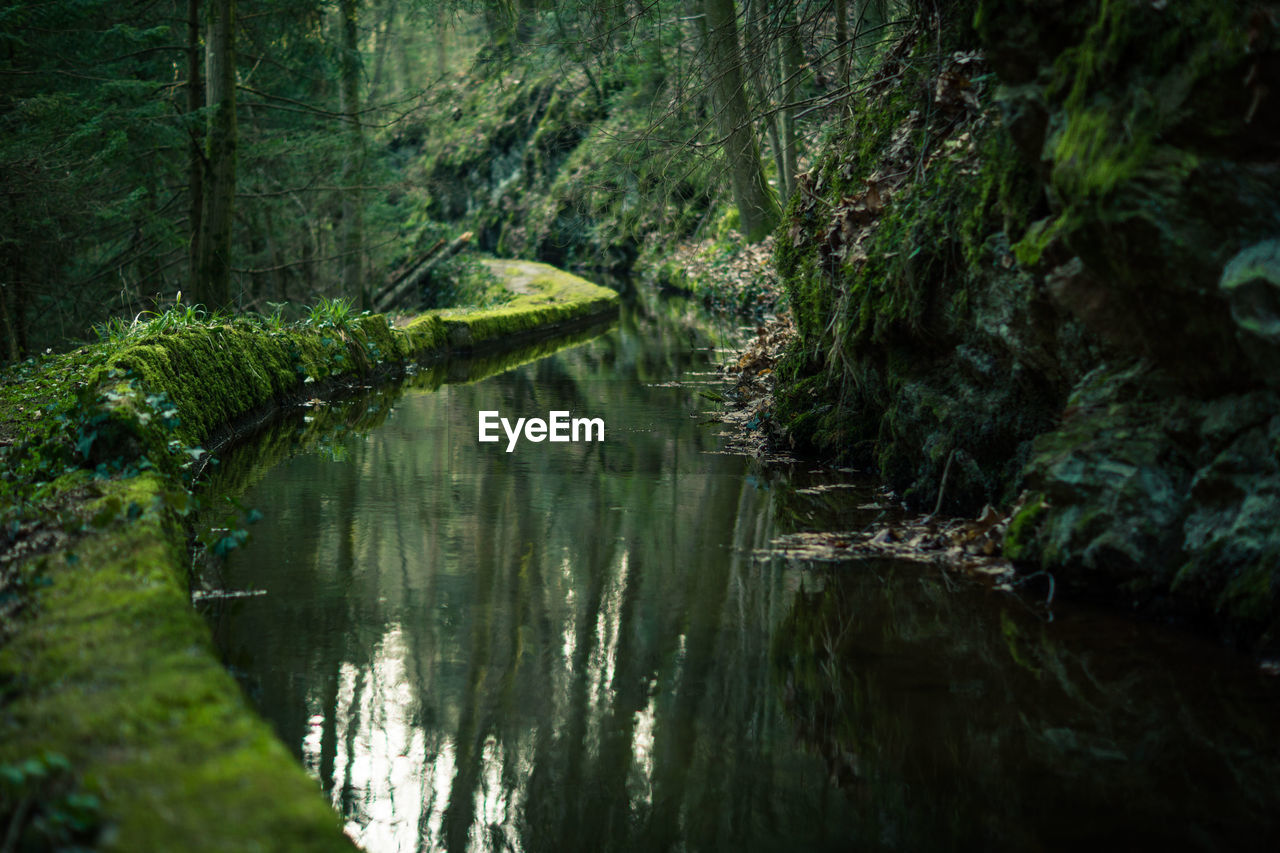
x=581, y=647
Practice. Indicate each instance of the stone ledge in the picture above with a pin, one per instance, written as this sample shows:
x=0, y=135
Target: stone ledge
x=111, y=667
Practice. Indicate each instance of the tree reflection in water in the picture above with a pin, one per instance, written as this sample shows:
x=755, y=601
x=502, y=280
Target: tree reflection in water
x=579, y=647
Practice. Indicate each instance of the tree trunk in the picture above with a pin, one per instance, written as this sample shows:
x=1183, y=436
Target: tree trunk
x=442, y=41
x=843, y=48
x=150, y=270
x=792, y=57
x=382, y=36
x=10, y=312
x=195, y=172
x=758, y=48
x=351, y=241
x=526, y=17
x=213, y=286
x=757, y=206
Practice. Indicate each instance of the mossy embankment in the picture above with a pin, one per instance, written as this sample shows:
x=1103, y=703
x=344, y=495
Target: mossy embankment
x=552, y=154
x=1042, y=260
x=118, y=726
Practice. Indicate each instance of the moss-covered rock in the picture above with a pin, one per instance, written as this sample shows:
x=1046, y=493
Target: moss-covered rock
x=1161, y=499
x=1068, y=284
x=546, y=299
x=1152, y=142
x=926, y=346
x=543, y=158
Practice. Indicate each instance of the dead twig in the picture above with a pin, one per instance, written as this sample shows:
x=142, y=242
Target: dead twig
x=942, y=487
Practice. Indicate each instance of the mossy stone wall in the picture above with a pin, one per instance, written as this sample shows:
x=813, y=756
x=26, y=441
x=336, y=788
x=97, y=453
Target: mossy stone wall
x=110, y=667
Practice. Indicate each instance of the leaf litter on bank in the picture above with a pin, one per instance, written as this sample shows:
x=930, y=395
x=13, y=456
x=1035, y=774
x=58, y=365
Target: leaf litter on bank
x=972, y=546
x=748, y=414
x=968, y=545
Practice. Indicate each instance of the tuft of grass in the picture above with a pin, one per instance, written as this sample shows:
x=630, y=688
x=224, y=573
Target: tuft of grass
x=114, y=330
x=118, y=331
x=331, y=314
x=275, y=320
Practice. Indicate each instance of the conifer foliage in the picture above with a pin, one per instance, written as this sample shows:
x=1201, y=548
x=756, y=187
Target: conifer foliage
x=246, y=153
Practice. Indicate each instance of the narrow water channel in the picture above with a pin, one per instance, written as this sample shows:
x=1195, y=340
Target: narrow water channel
x=591, y=646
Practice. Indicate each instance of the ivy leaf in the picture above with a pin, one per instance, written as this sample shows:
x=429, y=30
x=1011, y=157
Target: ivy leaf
x=230, y=542
x=86, y=442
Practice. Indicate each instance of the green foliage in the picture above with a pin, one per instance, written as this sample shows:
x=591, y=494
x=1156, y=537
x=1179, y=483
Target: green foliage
x=1106, y=142
x=95, y=148
x=598, y=136
x=229, y=531
x=726, y=272
x=331, y=314
x=465, y=281
x=79, y=153
x=117, y=331
x=43, y=807
x=274, y=321
x=561, y=132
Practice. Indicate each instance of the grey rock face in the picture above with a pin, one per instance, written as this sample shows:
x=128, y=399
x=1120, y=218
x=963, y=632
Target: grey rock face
x=1251, y=284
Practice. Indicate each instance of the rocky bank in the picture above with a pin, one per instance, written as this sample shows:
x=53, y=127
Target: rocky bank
x=1042, y=265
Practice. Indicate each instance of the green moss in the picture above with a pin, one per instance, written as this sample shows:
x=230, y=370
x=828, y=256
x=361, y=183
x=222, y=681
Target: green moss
x=1124, y=84
x=1017, y=539
x=1014, y=641
x=380, y=341
x=1090, y=157
x=425, y=334
x=212, y=374
x=547, y=296
x=111, y=667
x=1039, y=237
x=1249, y=597
x=117, y=674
